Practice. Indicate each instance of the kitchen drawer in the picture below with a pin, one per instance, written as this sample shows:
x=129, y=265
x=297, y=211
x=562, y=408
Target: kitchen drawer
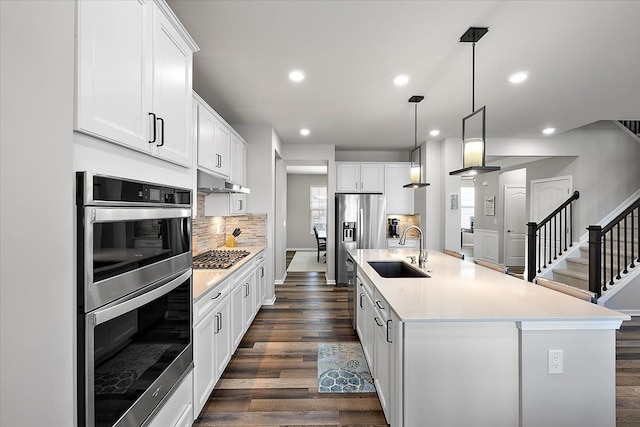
x=210, y=300
x=177, y=409
x=381, y=305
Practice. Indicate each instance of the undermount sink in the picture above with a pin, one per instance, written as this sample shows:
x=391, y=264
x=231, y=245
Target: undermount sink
x=395, y=269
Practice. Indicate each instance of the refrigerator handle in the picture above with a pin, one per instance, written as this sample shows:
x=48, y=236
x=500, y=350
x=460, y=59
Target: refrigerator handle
x=359, y=229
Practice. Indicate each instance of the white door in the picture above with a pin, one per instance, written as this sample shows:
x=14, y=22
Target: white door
x=515, y=220
x=546, y=196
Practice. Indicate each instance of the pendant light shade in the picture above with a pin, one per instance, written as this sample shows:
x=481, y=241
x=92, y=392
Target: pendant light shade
x=416, y=153
x=473, y=125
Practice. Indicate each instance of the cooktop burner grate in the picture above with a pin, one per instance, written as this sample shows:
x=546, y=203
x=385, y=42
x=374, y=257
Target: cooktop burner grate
x=218, y=258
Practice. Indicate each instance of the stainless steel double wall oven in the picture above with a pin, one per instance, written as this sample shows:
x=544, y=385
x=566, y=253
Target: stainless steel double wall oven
x=134, y=297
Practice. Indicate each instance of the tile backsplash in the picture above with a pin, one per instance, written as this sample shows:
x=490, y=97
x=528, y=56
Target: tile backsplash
x=404, y=222
x=210, y=232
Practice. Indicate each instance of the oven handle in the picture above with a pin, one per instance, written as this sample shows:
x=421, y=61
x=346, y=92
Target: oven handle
x=106, y=314
x=98, y=215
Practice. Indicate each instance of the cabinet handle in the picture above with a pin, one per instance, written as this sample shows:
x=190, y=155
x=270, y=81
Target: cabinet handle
x=153, y=121
x=380, y=305
x=216, y=297
x=388, y=328
x=361, y=304
x=239, y=204
x=161, y=132
x=261, y=272
x=217, y=323
x=361, y=185
x=356, y=185
x=377, y=321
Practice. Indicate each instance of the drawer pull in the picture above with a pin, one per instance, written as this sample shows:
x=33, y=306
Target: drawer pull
x=378, y=321
x=380, y=305
x=216, y=297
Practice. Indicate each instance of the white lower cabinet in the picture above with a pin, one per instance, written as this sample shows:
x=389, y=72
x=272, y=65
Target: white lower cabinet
x=380, y=333
x=211, y=342
x=237, y=313
x=177, y=410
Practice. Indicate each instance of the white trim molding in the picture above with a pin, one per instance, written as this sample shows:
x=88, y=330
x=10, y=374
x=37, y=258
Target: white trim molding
x=566, y=325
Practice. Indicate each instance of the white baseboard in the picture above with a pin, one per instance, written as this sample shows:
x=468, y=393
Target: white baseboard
x=331, y=282
x=269, y=302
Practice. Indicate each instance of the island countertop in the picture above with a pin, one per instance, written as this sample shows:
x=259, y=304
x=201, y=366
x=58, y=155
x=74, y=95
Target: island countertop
x=460, y=290
x=206, y=279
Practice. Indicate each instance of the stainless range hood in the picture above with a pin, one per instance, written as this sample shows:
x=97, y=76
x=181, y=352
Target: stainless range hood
x=209, y=184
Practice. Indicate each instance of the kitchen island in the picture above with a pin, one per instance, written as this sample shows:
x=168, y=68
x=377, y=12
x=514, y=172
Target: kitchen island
x=469, y=346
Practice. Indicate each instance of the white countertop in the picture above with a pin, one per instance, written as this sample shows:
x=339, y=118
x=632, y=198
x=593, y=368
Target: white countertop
x=464, y=291
x=205, y=279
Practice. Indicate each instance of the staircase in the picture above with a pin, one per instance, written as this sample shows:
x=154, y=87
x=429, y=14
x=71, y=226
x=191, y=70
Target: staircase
x=604, y=264
x=632, y=127
x=576, y=271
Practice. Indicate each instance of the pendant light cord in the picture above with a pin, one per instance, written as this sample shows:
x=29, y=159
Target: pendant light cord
x=415, y=128
x=473, y=77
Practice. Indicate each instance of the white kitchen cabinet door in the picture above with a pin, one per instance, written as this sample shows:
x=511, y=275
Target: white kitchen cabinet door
x=399, y=199
x=114, y=72
x=223, y=149
x=261, y=281
x=372, y=177
x=172, y=64
x=360, y=177
x=237, y=314
x=203, y=361
x=222, y=336
x=206, y=138
x=382, y=359
x=249, y=305
x=347, y=177
x=368, y=344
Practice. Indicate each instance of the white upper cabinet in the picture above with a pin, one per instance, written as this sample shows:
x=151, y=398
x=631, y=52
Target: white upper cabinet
x=399, y=199
x=360, y=177
x=213, y=139
x=134, y=71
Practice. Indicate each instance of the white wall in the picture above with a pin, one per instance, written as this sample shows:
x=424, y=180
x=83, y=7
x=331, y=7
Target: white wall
x=427, y=201
x=37, y=290
x=298, y=214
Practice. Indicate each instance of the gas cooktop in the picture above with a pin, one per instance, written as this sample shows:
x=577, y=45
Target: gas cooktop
x=218, y=258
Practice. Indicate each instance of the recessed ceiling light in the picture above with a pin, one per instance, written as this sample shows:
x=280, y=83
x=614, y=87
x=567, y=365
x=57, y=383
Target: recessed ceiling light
x=549, y=131
x=401, y=80
x=296, y=75
x=434, y=132
x=304, y=132
x=518, y=77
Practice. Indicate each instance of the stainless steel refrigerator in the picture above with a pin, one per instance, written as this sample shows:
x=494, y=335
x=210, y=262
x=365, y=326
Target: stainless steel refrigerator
x=360, y=224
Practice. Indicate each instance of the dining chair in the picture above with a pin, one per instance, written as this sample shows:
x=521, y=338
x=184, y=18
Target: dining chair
x=321, y=242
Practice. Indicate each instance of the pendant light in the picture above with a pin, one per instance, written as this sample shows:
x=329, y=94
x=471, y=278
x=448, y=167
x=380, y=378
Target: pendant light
x=416, y=153
x=473, y=125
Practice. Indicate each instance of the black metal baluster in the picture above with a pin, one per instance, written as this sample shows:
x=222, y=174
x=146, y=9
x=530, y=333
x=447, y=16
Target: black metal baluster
x=611, y=256
x=561, y=232
x=544, y=247
x=555, y=238
x=565, y=227
x=633, y=248
x=603, y=264
x=571, y=226
x=618, y=271
x=638, y=216
x=626, y=255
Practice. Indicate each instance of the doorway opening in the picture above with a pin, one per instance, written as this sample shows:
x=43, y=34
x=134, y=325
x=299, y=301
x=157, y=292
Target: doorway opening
x=467, y=208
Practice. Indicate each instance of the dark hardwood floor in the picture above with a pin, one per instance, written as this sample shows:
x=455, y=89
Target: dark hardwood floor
x=271, y=379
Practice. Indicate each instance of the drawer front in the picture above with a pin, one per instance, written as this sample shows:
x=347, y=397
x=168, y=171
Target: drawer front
x=381, y=305
x=210, y=300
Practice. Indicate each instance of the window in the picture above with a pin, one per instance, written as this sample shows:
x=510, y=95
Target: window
x=467, y=204
x=318, y=207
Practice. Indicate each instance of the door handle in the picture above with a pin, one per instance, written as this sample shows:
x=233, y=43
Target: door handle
x=153, y=121
x=161, y=132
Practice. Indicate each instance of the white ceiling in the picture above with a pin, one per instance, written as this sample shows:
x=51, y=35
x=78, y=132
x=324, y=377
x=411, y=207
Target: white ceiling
x=583, y=58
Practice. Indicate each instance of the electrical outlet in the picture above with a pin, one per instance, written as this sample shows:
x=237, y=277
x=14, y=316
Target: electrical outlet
x=555, y=362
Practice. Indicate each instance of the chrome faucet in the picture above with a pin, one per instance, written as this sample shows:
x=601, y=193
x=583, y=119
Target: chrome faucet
x=423, y=254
